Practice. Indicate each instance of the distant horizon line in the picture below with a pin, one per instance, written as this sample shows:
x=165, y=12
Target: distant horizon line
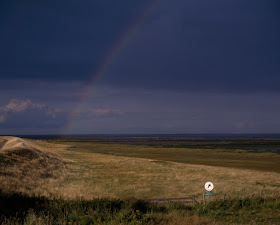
x=142, y=134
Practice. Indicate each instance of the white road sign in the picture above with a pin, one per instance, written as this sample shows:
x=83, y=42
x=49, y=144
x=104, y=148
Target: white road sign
x=209, y=186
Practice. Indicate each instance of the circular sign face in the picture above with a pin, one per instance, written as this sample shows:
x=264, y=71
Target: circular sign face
x=209, y=186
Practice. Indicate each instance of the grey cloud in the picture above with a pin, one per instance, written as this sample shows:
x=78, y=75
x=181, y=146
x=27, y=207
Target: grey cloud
x=25, y=114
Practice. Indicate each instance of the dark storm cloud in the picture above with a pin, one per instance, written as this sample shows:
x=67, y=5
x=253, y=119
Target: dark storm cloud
x=213, y=46
x=61, y=39
x=182, y=45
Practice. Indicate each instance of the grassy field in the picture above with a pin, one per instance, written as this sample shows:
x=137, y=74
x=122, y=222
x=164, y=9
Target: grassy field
x=219, y=156
x=96, y=170
x=119, y=170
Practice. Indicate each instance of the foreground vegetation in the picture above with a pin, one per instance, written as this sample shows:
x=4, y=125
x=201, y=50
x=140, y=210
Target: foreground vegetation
x=21, y=209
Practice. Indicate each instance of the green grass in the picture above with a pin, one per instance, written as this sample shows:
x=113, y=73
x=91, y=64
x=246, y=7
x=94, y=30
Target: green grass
x=242, y=211
x=249, y=145
x=21, y=209
x=218, y=156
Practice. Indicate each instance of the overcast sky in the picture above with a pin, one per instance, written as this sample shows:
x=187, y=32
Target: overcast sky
x=141, y=66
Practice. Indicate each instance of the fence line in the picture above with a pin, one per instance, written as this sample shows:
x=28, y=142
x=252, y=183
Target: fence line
x=163, y=201
x=192, y=200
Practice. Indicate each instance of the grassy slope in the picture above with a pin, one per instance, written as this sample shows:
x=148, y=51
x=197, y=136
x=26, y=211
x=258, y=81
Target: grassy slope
x=24, y=168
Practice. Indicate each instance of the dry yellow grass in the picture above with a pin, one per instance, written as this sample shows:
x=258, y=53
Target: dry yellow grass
x=99, y=175
x=27, y=168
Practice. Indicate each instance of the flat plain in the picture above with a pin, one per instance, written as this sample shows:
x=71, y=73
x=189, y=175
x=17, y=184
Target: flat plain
x=125, y=168
x=146, y=168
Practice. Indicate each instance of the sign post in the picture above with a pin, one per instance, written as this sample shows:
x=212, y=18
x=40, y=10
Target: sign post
x=208, y=187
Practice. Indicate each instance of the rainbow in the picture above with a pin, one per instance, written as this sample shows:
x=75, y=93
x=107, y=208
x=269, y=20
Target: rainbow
x=110, y=57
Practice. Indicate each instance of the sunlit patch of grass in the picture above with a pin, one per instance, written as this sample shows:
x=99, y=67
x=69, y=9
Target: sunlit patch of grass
x=111, y=175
